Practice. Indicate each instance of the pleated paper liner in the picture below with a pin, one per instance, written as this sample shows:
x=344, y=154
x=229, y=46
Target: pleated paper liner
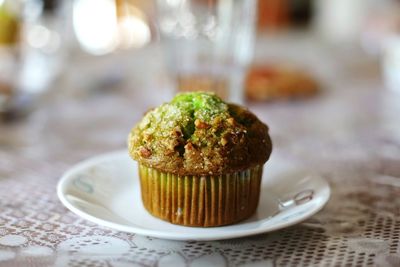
x=203, y=201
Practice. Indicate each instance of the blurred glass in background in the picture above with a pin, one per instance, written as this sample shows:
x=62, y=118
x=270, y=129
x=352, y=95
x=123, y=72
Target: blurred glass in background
x=31, y=50
x=208, y=44
x=340, y=21
x=44, y=45
x=39, y=39
x=10, y=26
x=380, y=38
x=391, y=63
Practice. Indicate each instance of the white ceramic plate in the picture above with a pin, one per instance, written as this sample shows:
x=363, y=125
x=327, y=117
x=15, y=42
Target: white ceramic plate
x=105, y=190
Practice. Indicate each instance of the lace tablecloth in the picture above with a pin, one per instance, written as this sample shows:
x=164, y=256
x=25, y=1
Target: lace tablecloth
x=350, y=134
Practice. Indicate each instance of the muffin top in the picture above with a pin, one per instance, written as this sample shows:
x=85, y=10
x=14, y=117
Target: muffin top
x=199, y=134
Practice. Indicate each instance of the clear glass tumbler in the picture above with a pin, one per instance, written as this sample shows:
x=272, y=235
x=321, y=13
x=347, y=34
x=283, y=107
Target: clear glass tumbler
x=208, y=44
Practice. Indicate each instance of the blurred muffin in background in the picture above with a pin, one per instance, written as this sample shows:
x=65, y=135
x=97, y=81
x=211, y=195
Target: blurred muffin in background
x=269, y=82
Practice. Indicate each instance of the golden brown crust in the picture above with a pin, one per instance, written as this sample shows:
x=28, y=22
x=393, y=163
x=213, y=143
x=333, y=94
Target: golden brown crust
x=226, y=144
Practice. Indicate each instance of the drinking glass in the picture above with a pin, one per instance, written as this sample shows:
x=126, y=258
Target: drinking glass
x=32, y=51
x=208, y=44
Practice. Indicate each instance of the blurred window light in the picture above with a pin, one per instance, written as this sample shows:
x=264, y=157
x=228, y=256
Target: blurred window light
x=133, y=32
x=132, y=25
x=101, y=26
x=95, y=25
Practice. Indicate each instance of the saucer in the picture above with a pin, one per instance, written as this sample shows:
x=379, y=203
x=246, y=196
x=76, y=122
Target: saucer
x=106, y=190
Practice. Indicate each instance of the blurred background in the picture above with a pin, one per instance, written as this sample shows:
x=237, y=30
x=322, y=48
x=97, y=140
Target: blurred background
x=97, y=44
x=61, y=57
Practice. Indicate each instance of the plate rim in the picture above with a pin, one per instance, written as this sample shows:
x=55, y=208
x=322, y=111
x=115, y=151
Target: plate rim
x=66, y=176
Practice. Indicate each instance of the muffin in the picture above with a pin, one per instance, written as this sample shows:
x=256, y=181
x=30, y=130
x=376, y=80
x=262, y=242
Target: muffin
x=200, y=160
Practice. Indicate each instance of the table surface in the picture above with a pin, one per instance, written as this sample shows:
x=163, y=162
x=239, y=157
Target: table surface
x=350, y=134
